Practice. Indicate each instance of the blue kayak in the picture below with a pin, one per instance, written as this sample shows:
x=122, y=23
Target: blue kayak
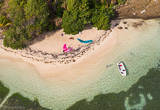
x=87, y=41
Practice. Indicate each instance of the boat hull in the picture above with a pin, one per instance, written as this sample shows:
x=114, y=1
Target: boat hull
x=121, y=69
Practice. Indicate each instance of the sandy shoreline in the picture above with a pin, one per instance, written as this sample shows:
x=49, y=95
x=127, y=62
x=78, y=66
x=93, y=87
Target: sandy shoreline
x=104, y=42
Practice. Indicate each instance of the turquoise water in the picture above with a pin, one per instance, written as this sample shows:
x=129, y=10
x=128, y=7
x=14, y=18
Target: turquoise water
x=143, y=95
x=139, y=55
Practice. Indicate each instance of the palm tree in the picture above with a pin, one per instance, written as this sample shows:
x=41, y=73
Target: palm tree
x=4, y=22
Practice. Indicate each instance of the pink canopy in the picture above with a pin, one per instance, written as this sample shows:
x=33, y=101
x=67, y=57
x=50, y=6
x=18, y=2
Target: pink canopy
x=65, y=49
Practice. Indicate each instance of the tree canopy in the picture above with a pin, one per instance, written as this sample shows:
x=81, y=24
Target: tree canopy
x=75, y=17
x=80, y=12
x=29, y=18
x=101, y=17
x=25, y=19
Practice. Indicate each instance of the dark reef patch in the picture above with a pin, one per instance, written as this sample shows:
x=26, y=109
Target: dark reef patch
x=17, y=101
x=3, y=92
x=148, y=84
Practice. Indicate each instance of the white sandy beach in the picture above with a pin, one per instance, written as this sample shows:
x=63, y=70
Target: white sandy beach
x=59, y=86
x=53, y=43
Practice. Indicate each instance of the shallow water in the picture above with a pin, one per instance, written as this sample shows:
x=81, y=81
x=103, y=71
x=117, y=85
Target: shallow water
x=139, y=54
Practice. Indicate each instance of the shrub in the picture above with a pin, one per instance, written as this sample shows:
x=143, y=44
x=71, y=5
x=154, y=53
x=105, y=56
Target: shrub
x=59, y=9
x=71, y=23
x=37, y=16
x=14, y=40
x=29, y=19
x=101, y=17
x=76, y=16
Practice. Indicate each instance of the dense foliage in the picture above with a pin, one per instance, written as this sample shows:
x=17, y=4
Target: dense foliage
x=59, y=9
x=1, y=3
x=29, y=18
x=81, y=12
x=4, y=21
x=101, y=17
x=24, y=20
x=76, y=16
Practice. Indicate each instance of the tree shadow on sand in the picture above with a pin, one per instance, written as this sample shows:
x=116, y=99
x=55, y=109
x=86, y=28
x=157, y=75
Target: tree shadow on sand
x=42, y=36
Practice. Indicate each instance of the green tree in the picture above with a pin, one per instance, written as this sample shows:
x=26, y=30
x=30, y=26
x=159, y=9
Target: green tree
x=14, y=40
x=36, y=15
x=76, y=16
x=29, y=18
x=59, y=9
x=71, y=23
x=72, y=5
x=84, y=11
x=15, y=36
x=101, y=17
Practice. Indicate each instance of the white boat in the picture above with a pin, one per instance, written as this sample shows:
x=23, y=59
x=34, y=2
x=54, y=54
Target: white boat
x=121, y=69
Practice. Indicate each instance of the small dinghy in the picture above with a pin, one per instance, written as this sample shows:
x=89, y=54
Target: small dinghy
x=121, y=69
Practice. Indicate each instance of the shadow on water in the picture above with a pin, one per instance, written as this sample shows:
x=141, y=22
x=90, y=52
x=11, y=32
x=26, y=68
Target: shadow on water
x=143, y=95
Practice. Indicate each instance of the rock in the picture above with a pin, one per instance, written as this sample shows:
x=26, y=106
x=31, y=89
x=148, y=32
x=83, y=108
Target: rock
x=116, y=24
x=134, y=24
x=124, y=22
x=119, y=27
x=137, y=24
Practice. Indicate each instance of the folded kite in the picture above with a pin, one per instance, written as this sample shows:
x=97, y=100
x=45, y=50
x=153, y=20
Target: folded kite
x=87, y=41
x=65, y=49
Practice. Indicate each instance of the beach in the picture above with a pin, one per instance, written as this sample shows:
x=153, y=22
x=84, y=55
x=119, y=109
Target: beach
x=64, y=66
x=59, y=86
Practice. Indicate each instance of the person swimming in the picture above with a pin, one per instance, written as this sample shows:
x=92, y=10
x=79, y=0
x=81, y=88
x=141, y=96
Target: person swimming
x=107, y=66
